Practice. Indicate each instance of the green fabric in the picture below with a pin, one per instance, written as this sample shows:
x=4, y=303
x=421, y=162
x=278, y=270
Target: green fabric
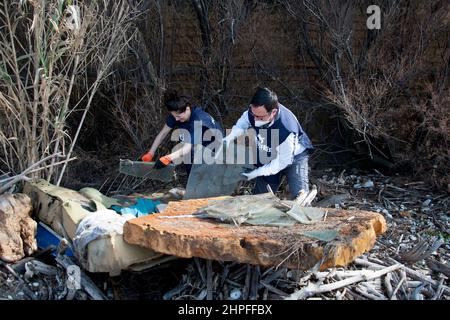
x=322, y=235
x=307, y=215
x=97, y=196
x=254, y=210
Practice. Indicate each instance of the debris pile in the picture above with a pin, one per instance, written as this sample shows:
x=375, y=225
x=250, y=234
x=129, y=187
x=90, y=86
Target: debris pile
x=367, y=278
x=407, y=262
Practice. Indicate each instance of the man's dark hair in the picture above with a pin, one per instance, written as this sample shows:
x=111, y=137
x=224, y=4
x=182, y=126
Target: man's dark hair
x=265, y=97
x=176, y=103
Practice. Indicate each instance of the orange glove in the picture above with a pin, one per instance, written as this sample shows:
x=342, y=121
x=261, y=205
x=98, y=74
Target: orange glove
x=162, y=162
x=148, y=157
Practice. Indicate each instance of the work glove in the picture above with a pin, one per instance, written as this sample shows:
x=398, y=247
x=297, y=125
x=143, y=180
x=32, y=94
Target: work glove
x=249, y=175
x=148, y=157
x=162, y=162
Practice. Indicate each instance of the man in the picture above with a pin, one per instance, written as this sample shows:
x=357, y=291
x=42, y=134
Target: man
x=282, y=145
x=192, y=120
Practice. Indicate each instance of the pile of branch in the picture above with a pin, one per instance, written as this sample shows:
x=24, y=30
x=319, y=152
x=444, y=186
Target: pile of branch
x=32, y=279
x=367, y=278
x=408, y=262
x=206, y=279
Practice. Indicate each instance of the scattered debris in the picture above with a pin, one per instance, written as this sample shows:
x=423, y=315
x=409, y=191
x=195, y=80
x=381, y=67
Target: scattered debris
x=409, y=261
x=104, y=250
x=423, y=237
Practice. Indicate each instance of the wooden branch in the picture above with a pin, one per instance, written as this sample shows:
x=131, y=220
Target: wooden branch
x=246, y=289
x=393, y=295
x=368, y=295
x=22, y=175
x=412, y=273
x=86, y=282
x=209, y=275
x=388, y=285
x=344, y=274
x=439, y=290
x=200, y=269
x=312, y=288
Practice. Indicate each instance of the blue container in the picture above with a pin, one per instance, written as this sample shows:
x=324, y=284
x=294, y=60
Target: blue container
x=46, y=237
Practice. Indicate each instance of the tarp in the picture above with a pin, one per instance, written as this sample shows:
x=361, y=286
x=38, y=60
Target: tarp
x=219, y=179
x=142, y=207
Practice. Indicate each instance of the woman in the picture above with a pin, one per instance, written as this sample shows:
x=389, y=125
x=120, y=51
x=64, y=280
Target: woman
x=192, y=121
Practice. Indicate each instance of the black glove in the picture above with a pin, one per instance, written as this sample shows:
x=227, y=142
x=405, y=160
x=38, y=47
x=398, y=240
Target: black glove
x=162, y=163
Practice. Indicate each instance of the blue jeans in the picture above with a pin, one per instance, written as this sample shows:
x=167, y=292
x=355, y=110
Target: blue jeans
x=296, y=173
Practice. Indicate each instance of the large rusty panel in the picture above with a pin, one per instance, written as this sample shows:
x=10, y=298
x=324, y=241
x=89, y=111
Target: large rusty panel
x=187, y=236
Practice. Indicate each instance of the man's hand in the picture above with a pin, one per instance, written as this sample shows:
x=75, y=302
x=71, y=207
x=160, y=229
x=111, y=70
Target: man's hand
x=250, y=175
x=162, y=162
x=148, y=157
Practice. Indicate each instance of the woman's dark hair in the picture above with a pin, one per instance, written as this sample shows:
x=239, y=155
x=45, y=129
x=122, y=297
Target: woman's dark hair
x=265, y=97
x=176, y=103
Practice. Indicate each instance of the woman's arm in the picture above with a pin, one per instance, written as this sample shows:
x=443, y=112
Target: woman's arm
x=185, y=149
x=160, y=138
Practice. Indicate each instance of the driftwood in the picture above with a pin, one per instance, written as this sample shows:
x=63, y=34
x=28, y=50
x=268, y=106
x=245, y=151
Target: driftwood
x=253, y=294
x=85, y=282
x=273, y=289
x=31, y=169
x=35, y=266
x=412, y=273
x=421, y=251
x=313, y=288
x=438, y=267
x=26, y=289
x=409, y=217
x=332, y=200
x=209, y=282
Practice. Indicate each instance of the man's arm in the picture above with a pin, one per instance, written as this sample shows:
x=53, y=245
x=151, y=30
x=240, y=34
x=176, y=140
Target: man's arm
x=285, y=157
x=239, y=128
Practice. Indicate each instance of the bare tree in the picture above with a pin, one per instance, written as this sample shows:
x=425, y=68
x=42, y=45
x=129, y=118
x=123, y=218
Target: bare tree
x=371, y=78
x=219, y=24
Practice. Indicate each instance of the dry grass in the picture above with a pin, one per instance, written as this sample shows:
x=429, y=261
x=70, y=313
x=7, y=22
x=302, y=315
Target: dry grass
x=51, y=49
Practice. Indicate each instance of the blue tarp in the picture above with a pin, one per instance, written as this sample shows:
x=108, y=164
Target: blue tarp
x=46, y=237
x=142, y=207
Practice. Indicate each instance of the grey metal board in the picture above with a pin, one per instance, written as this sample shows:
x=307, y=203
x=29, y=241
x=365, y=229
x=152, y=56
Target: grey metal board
x=145, y=170
x=219, y=179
